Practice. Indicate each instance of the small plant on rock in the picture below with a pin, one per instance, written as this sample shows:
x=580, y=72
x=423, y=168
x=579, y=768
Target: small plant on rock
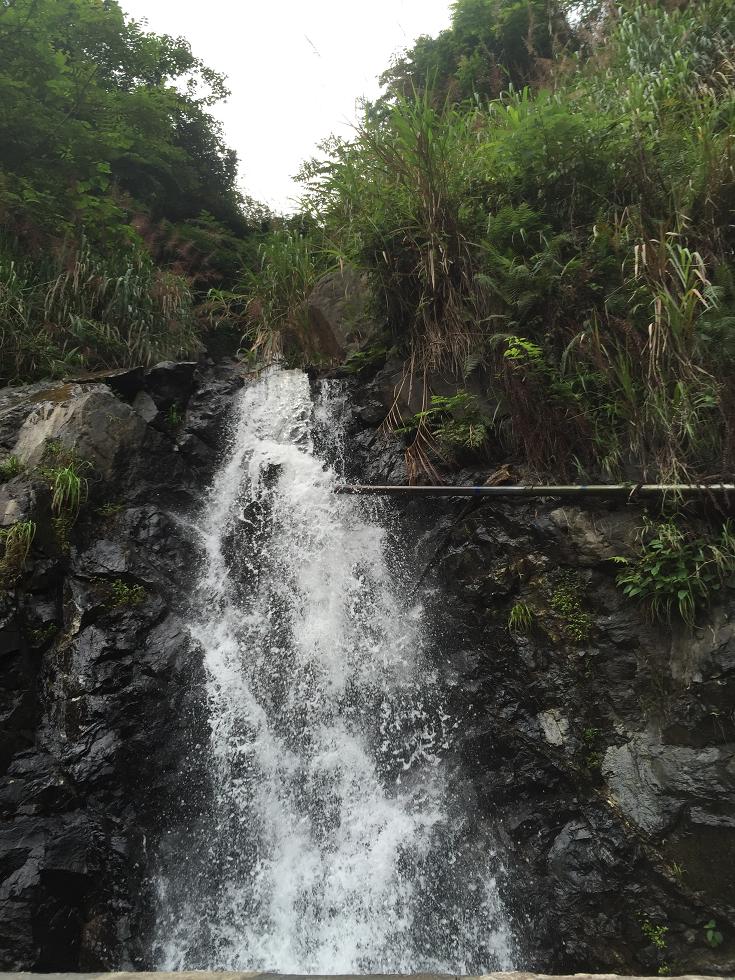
x=656, y=935
x=712, y=935
x=677, y=572
x=9, y=468
x=69, y=489
x=68, y=485
x=174, y=416
x=40, y=637
x=566, y=602
x=123, y=594
x=16, y=544
x=520, y=618
x=110, y=510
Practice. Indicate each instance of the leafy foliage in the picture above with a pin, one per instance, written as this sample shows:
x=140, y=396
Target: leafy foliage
x=676, y=571
x=558, y=227
x=450, y=426
x=95, y=108
x=122, y=594
x=656, y=934
x=712, y=935
x=118, y=199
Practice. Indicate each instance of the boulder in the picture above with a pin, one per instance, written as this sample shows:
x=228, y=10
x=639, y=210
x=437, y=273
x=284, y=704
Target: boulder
x=653, y=783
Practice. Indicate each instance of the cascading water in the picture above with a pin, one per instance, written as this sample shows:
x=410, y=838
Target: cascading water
x=330, y=842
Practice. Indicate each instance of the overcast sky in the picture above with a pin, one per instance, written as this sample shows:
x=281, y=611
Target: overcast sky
x=295, y=69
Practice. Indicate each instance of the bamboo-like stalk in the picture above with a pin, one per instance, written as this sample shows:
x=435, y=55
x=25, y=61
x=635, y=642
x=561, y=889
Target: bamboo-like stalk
x=599, y=490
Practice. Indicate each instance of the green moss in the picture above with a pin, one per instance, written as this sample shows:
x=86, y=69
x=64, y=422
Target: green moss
x=40, y=637
x=122, y=594
x=110, y=510
x=566, y=601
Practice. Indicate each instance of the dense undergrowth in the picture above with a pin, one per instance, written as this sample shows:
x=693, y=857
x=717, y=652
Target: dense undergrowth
x=557, y=226
x=119, y=209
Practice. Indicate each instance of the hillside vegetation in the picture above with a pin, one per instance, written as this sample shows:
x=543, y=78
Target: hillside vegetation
x=118, y=201
x=543, y=200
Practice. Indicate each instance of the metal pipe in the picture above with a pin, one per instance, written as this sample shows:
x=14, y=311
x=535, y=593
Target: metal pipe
x=599, y=490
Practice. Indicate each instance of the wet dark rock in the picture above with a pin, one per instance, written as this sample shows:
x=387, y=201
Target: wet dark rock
x=601, y=751
x=96, y=709
x=603, y=755
x=340, y=313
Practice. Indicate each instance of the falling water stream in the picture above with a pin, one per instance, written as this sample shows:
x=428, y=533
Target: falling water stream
x=331, y=842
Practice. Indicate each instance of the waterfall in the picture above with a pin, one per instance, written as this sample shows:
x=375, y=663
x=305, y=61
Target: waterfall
x=331, y=842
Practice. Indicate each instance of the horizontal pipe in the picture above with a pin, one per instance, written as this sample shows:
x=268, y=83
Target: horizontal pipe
x=599, y=490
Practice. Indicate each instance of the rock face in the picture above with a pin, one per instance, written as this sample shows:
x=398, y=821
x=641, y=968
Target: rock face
x=339, y=312
x=599, y=748
x=97, y=705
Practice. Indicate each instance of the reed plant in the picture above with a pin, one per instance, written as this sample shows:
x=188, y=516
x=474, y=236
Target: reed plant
x=81, y=310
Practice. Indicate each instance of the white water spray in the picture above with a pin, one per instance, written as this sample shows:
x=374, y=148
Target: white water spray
x=330, y=844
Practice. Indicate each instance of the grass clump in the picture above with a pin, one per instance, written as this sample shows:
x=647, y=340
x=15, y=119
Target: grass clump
x=9, y=468
x=15, y=542
x=64, y=472
x=520, y=618
x=84, y=310
x=69, y=489
x=677, y=572
x=269, y=304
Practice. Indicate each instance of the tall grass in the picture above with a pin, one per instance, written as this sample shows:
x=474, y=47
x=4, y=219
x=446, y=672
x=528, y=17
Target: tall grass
x=270, y=303
x=590, y=220
x=83, y=310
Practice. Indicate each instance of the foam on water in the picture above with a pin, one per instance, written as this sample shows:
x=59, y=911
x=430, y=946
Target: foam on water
x=330, y=842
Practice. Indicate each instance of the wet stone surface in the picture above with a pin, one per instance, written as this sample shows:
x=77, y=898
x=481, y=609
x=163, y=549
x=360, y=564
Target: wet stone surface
x=602, y=755
x=96, y=710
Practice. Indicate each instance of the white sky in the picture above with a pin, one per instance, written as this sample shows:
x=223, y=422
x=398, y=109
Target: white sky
x=295, y=69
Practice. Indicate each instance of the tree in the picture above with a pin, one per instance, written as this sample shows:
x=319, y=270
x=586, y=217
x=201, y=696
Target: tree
x=99, y=116
x=490, y=45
